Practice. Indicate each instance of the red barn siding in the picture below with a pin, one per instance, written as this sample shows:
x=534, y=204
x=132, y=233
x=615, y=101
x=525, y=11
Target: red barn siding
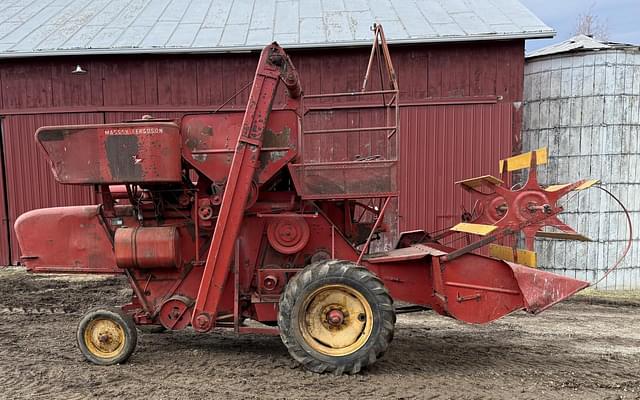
x=477, y=137
x=441, y=141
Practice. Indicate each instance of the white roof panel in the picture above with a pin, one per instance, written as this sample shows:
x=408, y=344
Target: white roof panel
x=576, y=43
x=57, y=27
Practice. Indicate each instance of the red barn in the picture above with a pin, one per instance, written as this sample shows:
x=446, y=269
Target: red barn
x=459, y=65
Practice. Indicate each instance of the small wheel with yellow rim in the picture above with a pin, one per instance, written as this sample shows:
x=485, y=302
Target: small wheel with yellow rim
x=335, y=316
x=106, y=336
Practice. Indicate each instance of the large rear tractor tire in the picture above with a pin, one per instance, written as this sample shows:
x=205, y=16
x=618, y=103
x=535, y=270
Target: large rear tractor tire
x=107, y=336
x=336, y=317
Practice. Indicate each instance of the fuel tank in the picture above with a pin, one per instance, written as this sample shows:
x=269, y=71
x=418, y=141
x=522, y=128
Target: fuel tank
x=148, y=247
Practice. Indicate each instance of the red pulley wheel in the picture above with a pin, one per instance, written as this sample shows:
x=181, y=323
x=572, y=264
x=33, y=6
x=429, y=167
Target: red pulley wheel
x=288, y=235
x=175, y=313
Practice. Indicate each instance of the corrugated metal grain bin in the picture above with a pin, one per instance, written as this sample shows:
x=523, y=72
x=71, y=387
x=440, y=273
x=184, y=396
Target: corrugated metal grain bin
x=582, y=101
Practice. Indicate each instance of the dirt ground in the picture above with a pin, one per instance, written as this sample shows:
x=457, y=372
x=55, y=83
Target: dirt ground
x=575, y=350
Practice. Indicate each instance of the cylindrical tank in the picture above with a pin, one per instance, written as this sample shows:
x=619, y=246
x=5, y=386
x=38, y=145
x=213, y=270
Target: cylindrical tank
x=584, y=105
x=153, y=247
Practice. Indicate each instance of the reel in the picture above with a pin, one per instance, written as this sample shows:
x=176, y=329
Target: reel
x=502, y=210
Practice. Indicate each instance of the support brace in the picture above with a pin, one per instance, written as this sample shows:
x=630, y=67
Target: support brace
x=273, y=66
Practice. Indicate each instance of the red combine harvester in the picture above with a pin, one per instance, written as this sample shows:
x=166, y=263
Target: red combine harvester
x=218, y=218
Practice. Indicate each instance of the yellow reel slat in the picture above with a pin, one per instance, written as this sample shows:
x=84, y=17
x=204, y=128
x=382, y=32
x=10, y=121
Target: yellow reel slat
x=562, y=236
x=476, y=229
x=524, y=257
x=523, y=160
x=472, y=183
x=587, y=184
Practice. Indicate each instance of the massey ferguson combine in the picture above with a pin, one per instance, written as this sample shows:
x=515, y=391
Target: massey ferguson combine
x=218, y=219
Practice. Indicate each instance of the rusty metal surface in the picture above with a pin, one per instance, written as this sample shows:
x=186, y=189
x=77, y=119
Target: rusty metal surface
x=413, y=252
x=110, y=154
x=209, y=140
x=345, y=180
x=540, y=289
x=274, y=66
x=372, y=172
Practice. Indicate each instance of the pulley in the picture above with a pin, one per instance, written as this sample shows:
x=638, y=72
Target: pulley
x=288, y=235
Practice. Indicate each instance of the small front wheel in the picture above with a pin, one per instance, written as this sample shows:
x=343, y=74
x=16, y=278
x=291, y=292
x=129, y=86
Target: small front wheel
x=336, y=317
x=107, y=336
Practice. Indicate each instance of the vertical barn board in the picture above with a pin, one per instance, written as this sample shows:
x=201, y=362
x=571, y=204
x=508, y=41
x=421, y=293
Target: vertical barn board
x=117, y=83
x=30, y=182
x=75, y=90
x=237, y=71
x=482, y=72
x=455, y=81
x=412, y=70
x=209, y=88
x=177, y=82
x=26, y=84
x=436, y=65
x=144, y=82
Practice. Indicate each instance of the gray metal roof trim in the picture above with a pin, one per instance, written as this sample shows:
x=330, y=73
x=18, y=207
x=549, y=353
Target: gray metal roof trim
x=247, y=49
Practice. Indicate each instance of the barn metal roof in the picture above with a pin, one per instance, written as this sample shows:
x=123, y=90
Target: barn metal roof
x=58, y=27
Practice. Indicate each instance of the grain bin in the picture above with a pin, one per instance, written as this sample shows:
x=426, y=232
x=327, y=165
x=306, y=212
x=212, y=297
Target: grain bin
x=582, y=101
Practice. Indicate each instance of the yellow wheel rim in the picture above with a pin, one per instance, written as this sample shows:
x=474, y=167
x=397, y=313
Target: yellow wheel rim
x=336, y=320
x=104, y=338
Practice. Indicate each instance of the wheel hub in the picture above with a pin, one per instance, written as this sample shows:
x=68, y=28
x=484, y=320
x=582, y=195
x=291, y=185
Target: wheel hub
x=337, y=321
x=104, y=338
x=335, y=317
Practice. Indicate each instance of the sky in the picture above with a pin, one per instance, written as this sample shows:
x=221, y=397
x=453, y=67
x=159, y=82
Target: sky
x=622, y=18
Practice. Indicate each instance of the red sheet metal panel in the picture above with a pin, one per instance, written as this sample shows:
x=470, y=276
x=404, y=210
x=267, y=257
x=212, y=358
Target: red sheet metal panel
x=30, y=183
x=118, y=153
x=441, y=145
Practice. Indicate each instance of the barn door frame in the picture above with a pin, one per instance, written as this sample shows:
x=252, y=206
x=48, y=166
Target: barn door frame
x=5, y=229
